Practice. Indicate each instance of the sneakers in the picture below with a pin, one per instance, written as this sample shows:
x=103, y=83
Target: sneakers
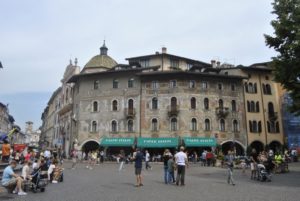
x=15, y=192
x=54, y=182
x=22, y=193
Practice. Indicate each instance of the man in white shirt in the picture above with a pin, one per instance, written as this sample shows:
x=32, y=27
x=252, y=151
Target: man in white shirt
x=181, y=162
x=47, y=154
x=147, y=160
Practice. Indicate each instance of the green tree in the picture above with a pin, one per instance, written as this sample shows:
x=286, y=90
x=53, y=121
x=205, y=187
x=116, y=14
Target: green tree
x=286, y=41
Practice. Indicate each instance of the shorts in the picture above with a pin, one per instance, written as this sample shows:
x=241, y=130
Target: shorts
x=138, y=171
x=11, y=182
x=252, y=166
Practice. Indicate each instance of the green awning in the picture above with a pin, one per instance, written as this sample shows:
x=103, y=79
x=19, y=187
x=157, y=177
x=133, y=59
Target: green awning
x=199, y=142
x=117, y=142
x=157, y=142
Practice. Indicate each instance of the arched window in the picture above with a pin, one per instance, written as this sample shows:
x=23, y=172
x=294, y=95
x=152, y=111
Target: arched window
x=115, y=83
x=221, y=103
x=235, y=126
x=130, y=125
x=222, y=125
x=254, y=124
x=259, y=127
x=154, y=103
x=250, y=126
x=206, y=103
x=173, y=103
x=194, y=124
x=95, y=106
x=268, y=89
x=252, y=106
x=130, y=104
x=248, y=106
x=257, y=106
x=207, y=124
x=246, y=87
x=193, y=103
x=115, y=105
x=233, y=105
x=271, y=108
x=114, y=126
x=96, y=84
x=131, y=83
x=94, y=126
x=250, y=88
x=154, y=124
x=173, y=124
x=255, y=88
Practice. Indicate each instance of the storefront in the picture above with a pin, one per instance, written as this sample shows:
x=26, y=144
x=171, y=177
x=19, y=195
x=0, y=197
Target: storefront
x=113, y=146
x=198, y=144
x=156, y=146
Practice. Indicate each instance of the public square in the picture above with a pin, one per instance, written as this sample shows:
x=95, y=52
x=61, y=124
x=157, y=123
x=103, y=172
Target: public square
x=105, y=183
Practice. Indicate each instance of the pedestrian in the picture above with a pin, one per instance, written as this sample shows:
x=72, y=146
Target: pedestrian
x=229, y=162
x=171, y=169
x=138, y=158
x=121, y=160
x=166, y=157
x=101, y=156
x=181, y=162
x=203, y=157
x=253, y=163
x=147, y=160
x=74, y=159
x=5, y=151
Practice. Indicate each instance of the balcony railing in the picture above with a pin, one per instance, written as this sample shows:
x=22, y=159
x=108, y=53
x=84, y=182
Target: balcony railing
x=173, y=110
x=222, y=112
x=130, y=113
x=273, y=115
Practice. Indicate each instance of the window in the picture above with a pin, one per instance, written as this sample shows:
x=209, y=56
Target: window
x=193, y=103
x=114, y=126
x=145, y=63
x=115, y=84
x=221, y=104
x=192, y=84
x=154, y=103
x=204, y=85
x=206, y=103
x=154, y=124
x=235, y=126
x=94, y=127
x=232, y=87
x=257, y=107
x=252, y=106
x=174, y=63
x=115, y=105
x=131, y=83
x=130, y=104
x=273, y=127
x=173, y=84
x=220, y=86
x=189, y=66
x=95, y=106
x=251, y=88
x=173, y=103
x=96, y=84
x=207, y=124
x=233, y=105
x=155, y=85
x=173, y=124
x=268, y=90
x=222, y=125
x=255, y=127
x=194, y=124
x=271, y=109
x=130, y=125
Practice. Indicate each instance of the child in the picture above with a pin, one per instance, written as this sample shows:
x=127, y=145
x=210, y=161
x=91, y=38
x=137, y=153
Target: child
x=26, y=170
x=171, y=169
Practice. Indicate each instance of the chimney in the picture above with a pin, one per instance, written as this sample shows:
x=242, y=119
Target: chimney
x=218, y=64
x=156, y=52
x=164, y=50
x=213, y=63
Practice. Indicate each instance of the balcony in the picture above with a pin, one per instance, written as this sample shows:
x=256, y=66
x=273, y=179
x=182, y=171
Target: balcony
x=273, y=116
x=130, y=113
x=222, y=112
x=173, y=110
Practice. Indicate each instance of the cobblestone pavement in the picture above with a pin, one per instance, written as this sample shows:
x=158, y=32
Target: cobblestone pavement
x=105, y=183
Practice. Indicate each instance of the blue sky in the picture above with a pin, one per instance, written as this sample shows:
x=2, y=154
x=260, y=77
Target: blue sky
x=38, y=38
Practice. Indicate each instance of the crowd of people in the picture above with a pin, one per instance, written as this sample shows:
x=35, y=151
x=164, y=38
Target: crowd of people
x=48, y=163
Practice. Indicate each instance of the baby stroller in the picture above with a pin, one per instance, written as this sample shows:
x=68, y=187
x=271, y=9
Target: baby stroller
x=263, y=174
x=38, y=182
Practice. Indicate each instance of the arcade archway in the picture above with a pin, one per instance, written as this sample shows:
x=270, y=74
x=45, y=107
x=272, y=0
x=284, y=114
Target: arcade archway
x=275, y=146
x=231, y=145
x=257, y=145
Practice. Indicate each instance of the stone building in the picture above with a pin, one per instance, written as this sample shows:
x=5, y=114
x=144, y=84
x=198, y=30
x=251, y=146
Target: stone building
x=6, y=120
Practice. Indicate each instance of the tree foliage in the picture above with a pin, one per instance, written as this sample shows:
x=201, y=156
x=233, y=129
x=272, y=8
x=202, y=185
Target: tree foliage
x=286, y=41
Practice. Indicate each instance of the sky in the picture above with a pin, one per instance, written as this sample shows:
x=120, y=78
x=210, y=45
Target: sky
x=38, y=38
